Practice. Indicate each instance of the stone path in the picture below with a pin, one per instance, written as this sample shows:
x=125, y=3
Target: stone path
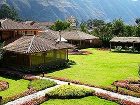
x=97, y=90
x=30, y=97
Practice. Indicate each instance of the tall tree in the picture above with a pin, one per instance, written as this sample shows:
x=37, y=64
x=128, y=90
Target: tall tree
x=83, y=27
x=104, y=33
x=138, y=31
x=8, y=12
x=91, y=23
x=118, y=27
x=137, y=21
x=60, y=25
x=129, y=30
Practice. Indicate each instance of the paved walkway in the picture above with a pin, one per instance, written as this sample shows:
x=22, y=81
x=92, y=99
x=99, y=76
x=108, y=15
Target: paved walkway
x=97, y=90
x=30, y=97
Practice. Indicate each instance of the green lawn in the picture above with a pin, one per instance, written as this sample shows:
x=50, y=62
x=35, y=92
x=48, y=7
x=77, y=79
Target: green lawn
x=84, y=101
x=15, y=87
x=101, y=68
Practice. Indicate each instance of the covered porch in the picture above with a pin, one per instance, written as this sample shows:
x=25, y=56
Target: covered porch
x=125, y=44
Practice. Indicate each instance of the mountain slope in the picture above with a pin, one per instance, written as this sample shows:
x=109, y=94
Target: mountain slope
x=50, y=10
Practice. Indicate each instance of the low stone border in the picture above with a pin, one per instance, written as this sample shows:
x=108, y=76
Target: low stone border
x=115, y=90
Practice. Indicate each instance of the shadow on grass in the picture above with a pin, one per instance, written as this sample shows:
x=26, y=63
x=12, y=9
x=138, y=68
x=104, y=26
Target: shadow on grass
x=10, y=77
x=4, y=73
x=128, y=52
x=54, y=69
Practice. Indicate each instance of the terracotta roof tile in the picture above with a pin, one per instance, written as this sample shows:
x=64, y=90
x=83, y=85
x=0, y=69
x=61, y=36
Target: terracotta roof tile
x=68, y=35
x=8, y=24
x=34, y=44
x=126, y=39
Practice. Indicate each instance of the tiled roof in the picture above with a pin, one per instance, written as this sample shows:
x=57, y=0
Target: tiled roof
x=8, y=24
x=52, y=35
x=126, y=39
x=43, y=25
x=34, y=44
x=49, y=34
x=68, y=35
x=77, y=35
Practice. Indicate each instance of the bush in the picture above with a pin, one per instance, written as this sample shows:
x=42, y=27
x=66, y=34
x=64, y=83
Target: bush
x=41, y=84
x=69, y=91
x=3, y=85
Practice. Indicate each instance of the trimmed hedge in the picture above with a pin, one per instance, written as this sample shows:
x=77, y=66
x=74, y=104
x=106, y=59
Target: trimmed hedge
x=41, y=84
x=69, y=92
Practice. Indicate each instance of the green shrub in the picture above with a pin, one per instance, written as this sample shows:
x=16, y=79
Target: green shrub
x=69, y=91
x=41, y=84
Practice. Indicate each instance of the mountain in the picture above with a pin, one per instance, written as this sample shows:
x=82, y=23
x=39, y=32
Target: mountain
x=50, y=10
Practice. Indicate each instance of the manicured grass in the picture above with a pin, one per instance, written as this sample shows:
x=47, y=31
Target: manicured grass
x=15, y=87
x=101, y=68
x=84, y=101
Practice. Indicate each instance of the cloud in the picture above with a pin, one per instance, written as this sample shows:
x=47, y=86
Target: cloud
x=135, y=0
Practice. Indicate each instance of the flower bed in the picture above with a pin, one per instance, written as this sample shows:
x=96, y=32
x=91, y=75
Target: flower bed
x=69, y=92
x=129, y=85
x=3, y=85
x=117, y=100
x=79, y=52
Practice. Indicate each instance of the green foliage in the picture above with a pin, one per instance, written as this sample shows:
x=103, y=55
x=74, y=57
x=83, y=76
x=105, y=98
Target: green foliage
x=137, y=31
x=69, y=91
x=60, y=25
x=83, y=27
x=137, y=21
x=41, y=84
x=104, y=33
x=107, y=30
x=8, y=12
x=129, y=30
x=95, y=23
x=118, y=27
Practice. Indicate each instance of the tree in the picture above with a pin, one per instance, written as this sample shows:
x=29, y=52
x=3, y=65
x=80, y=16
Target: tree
x=137, y=21
x=138, y=31
x=8, y=12
x=60, y=25
x=118, y=27
x=83, y=27
x=129, y=31
x=104, y=33
x=91, y=23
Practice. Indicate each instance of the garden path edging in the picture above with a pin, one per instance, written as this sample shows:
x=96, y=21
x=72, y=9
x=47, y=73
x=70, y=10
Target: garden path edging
x=98, y=90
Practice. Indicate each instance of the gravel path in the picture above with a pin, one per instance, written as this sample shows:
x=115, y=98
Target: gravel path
x=97, y=90
x=30, y=97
